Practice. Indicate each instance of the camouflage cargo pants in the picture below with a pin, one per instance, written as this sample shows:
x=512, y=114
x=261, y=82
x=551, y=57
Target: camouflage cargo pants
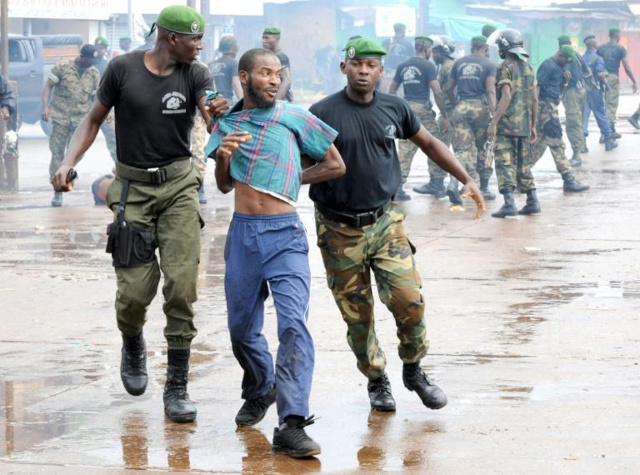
x=407, y=149
x=574, y=100
x=198, y=142
x=512, y=156
x=612, y=97
x=58, y=142
x=548, y=111
x=470, y=121
x=349, y=255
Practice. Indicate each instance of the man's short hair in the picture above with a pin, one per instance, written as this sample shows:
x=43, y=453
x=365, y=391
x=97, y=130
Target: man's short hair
x=248, y=60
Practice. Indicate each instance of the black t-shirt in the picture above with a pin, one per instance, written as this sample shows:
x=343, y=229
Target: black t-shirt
x=415, y=75
x=154, y=114
x=398, y=50
x=366, y=141
x=284, y=61
x=471, y=73
x=550, y=80
x=223, y=70
x=612, y=53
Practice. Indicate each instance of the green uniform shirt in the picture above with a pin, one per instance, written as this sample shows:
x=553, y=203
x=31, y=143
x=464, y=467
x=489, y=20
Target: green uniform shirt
x=443, y=79
x=520, y=76
x=73, y=93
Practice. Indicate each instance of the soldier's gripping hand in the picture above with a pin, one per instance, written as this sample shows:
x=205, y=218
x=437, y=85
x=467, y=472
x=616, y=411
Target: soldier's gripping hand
x=534, y=136
x=60, y=180
x=492, y=131
x=46, y=115
x=471, y=190
x=231, y=143
x=217, y=106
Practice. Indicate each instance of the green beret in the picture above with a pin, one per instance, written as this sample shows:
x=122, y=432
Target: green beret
x=488, y=29
x=480, y=40
x=399, y=26
x=180, y=19
x=568, y=52
x=101, y=41
x=363, y=48
x=424, y=38
x=564, y=40
x=614, y=30
x=271, y=30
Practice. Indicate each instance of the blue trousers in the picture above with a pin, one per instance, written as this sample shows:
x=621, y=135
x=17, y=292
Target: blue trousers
x=270, y=252
x=595, y=103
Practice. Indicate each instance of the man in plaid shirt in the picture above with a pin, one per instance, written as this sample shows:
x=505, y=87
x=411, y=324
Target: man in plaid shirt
x=260, y=146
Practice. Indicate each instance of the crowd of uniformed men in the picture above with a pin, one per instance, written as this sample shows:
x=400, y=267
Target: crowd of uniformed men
x=344, y=146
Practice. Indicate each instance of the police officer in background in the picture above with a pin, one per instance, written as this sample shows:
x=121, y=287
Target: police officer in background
x=613, y=54
x=271, y=41
x=154, y=197
x=473, y=82
x=553, y=79
x=513, y=126
x=225, y=69
x=360, y=230
x=419, y=77
x=74, y=83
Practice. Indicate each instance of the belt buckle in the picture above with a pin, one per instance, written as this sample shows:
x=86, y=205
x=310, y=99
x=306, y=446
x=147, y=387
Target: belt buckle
x=158, y=176
x=362, y=218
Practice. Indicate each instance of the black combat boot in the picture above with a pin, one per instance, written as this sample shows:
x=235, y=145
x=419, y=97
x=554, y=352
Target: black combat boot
x=633, y=120
x=133, y=367
x=532, y=206
x=56, y=202
x=509, y=206
x=571, y=185
x=254, y=410
x=177, y=404
x=434, y=187
x=453, y=192
x=614, y=133
x=401, y=195
x=415, y=379
x=380, y=394
x=292, y=440
x=610, y=144
x=484, y=188
x=201, y=196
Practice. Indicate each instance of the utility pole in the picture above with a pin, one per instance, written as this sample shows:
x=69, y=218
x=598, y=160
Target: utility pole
x=4, y=37
x=130, y=20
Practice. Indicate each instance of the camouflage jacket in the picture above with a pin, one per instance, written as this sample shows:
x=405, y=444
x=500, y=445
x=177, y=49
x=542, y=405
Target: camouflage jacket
x=73, y=92
x=443, y=79
x=520, y=76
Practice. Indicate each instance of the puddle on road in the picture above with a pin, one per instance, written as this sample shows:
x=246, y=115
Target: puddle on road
x=515, y=393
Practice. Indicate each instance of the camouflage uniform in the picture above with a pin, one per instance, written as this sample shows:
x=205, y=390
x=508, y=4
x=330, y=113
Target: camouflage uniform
x=407, y=149
x=198, y=142
x=469, y=122
x=443, y=80
x=71, y=101
x=349, y=255
x=512, y=151
x=549, y=111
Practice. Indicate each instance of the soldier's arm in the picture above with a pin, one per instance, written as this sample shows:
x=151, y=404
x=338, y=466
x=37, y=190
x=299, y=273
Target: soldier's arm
x=80, y=142
x=534, y=114
x=215, y=108
x=451, y=89
x=438, y=97
x=627, y=69
x=490, y=89
x=285, y=85
x=331, y=166
x=46, y=93
x=503, y=105
x=394, y=87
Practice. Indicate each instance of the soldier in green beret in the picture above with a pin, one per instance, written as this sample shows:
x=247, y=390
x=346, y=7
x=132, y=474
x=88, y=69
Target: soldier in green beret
x=155, y=94
x=125, y=45
x=361, y=231
x=488, y=29
x=271, y=41
x=613, y=54
x=398, y=49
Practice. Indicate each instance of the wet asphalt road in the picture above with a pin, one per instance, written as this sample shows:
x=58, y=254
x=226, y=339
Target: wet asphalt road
x=533, y=325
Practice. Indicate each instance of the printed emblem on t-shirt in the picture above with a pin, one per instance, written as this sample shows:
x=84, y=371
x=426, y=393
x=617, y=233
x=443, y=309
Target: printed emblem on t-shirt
x=173, y=102
x=411, y=75
x=471, y=71
x=391, y=132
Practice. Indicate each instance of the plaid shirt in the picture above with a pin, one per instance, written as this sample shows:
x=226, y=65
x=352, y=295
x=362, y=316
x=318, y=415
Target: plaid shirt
x=270, y=161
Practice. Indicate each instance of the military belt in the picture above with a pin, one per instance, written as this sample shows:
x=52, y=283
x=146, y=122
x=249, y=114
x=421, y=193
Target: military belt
x=153, y=176
x=356, y=220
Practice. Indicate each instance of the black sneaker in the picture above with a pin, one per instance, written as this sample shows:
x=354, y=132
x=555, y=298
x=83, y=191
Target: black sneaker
x=380, y=394
x=416, y=380
x=294, y=441
x=254, y=410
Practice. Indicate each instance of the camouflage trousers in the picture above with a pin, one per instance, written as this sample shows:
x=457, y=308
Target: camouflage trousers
x=548, y=111
x=574, y=100
x=58, y=142
x=407, y=149
x=470, y=121
x=109, y=131
x=612, y=97
x=198, y=143
x=349, y=255
x=512, y=155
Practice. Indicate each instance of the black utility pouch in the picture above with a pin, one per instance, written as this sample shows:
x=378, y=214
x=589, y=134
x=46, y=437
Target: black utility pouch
x=552, y=128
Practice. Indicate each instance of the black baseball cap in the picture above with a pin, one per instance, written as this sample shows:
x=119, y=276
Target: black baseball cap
x=90, y=53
